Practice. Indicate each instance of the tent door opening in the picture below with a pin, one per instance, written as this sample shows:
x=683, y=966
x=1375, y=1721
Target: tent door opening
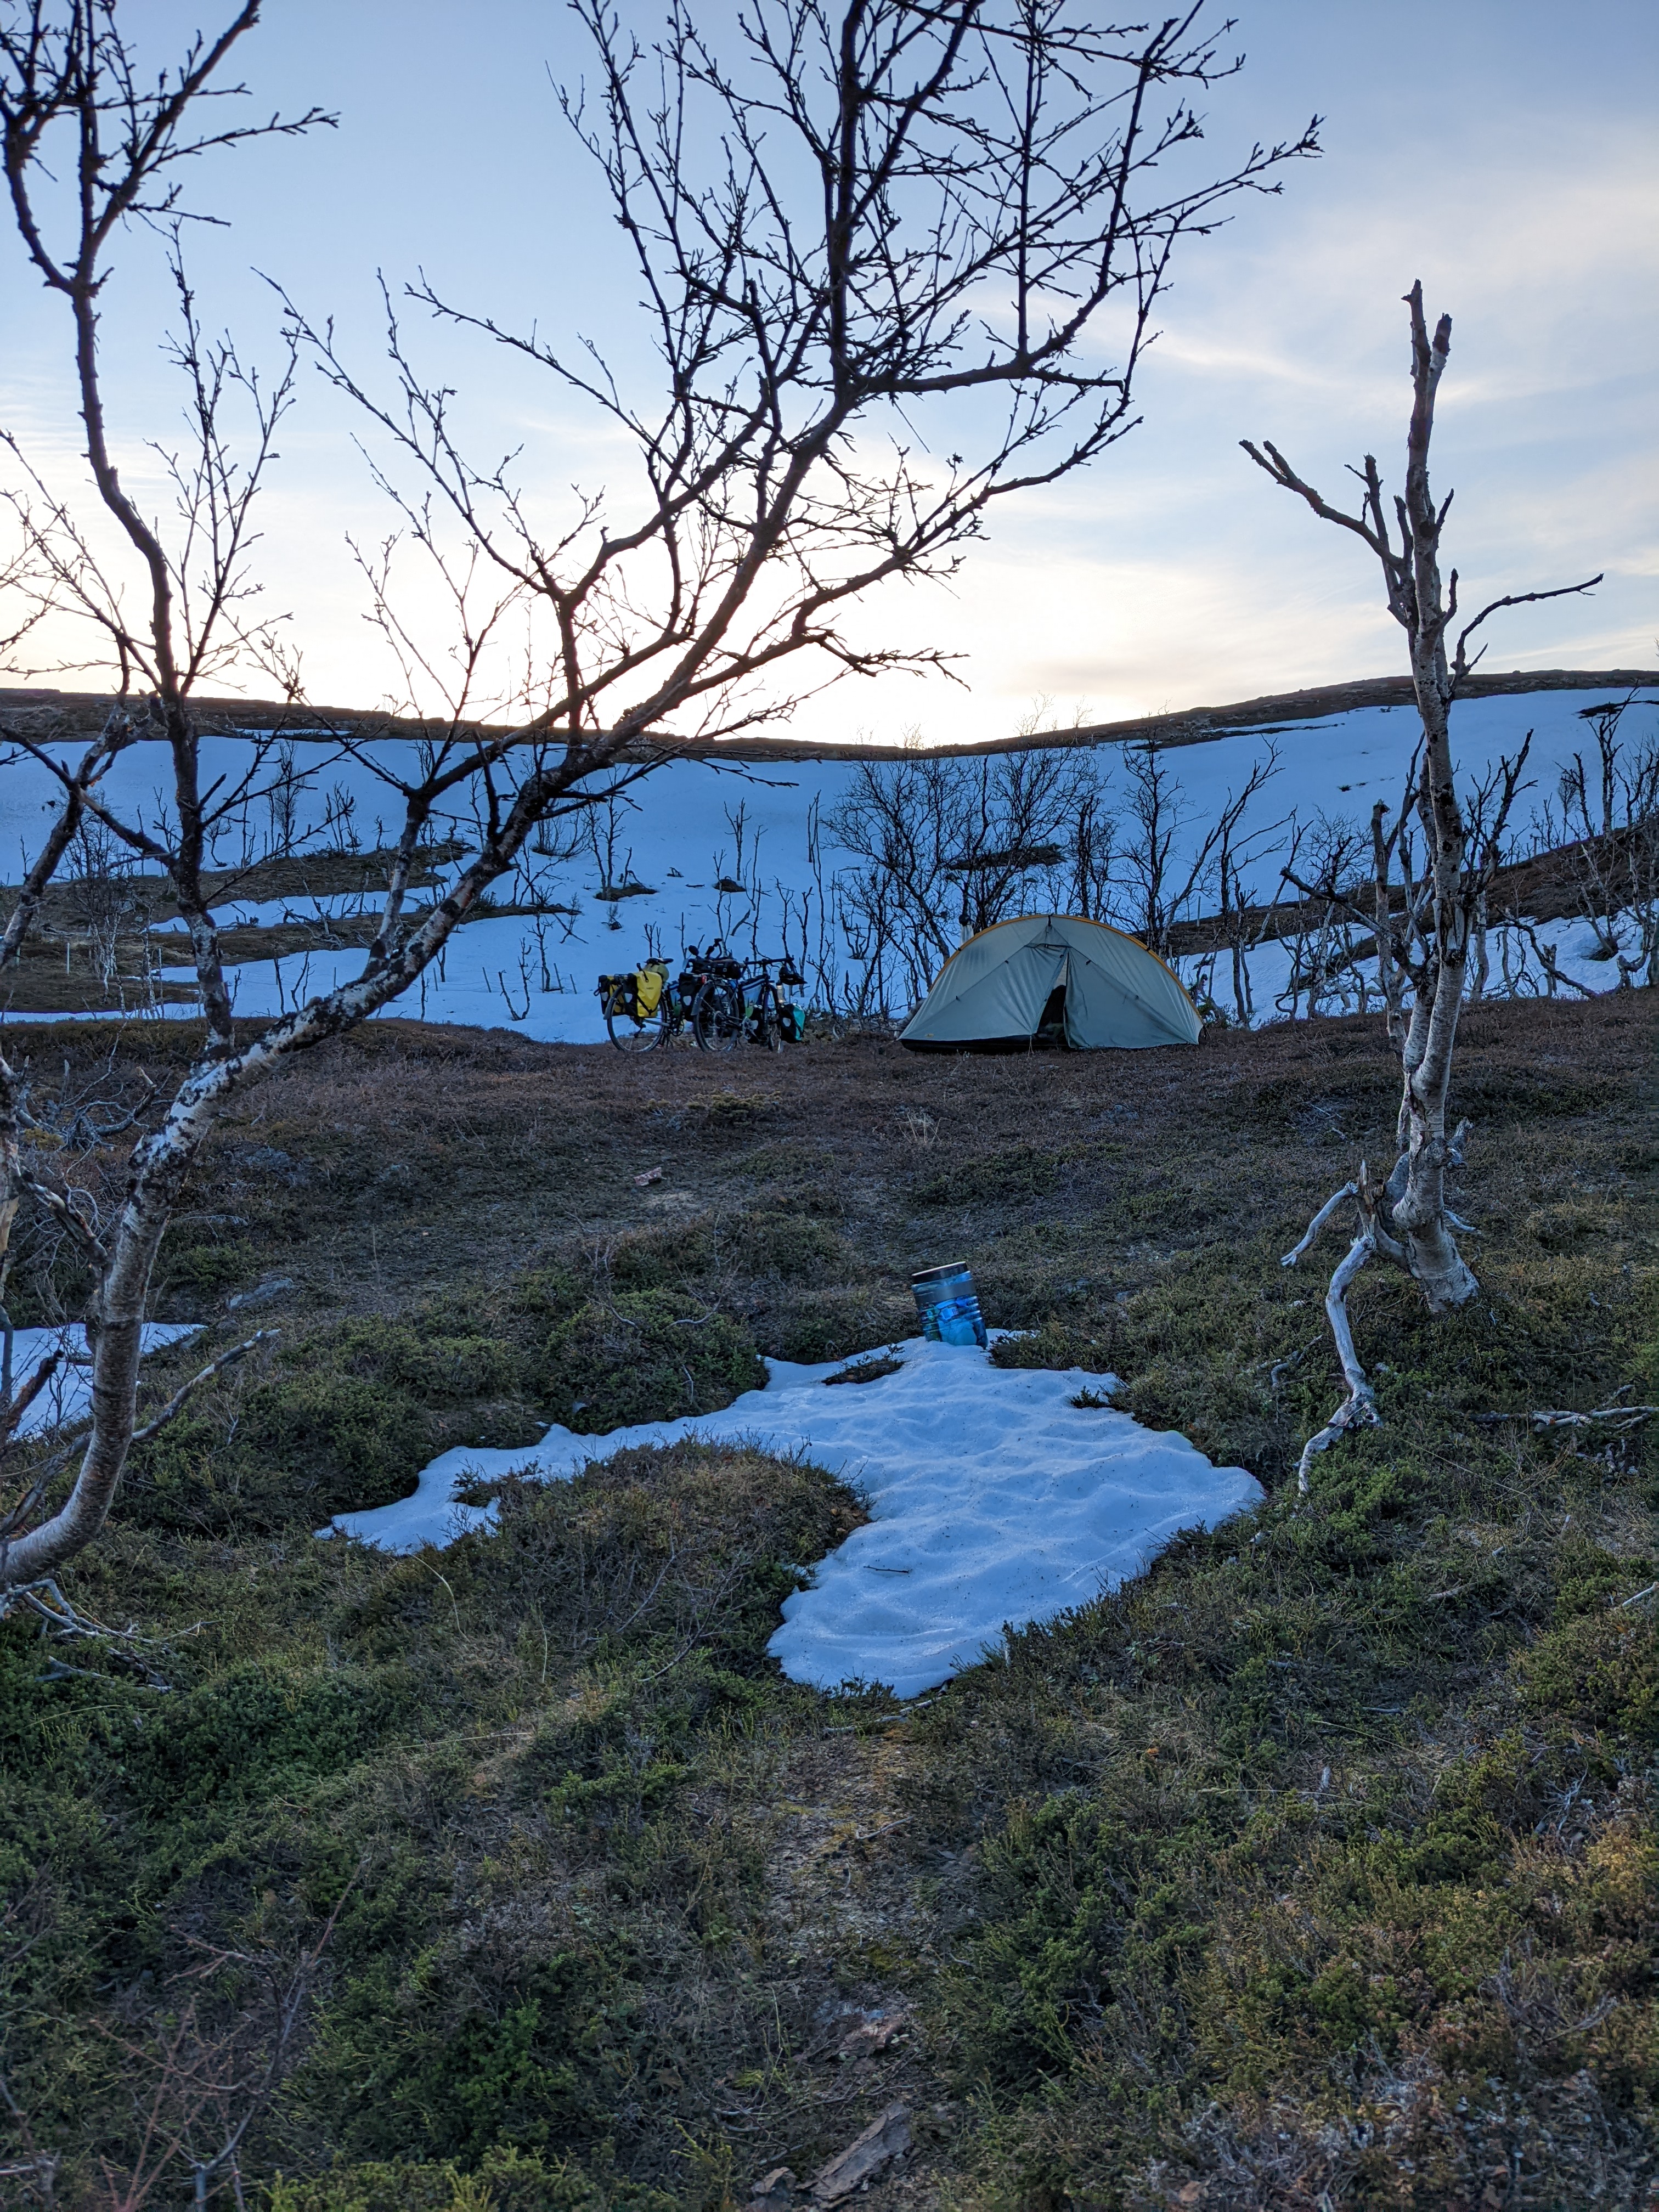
x=1051, y=1031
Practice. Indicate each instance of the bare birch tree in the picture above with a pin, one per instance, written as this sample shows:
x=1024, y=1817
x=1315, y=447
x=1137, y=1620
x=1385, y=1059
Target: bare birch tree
x=1405, y=1218
x=1170, y=868
x=961, y=214
x=1608, y=837
x=951, y=844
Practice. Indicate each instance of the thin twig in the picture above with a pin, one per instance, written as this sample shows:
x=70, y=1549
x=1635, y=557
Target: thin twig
x=1316, y=1225
x=185, y=1389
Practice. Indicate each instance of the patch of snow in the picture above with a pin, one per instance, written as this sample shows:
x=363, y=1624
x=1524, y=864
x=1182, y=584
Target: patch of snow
x=68, y=1397
x=994, y=1501
x=307, y=907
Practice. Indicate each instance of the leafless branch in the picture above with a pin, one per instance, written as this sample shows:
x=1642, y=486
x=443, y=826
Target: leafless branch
x=1461, y=663
x=175, y=1404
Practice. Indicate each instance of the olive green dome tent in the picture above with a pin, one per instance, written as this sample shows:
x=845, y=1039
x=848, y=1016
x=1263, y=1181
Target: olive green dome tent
x=1054, y=974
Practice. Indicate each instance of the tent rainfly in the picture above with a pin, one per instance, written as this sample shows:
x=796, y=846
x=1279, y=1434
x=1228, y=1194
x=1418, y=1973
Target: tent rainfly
x=1054, y=974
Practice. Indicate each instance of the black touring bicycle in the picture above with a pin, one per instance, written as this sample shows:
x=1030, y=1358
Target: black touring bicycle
x=716, y=996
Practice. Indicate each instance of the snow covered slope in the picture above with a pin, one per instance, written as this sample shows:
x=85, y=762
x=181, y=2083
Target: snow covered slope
x=68, y=1397
x=691, y=825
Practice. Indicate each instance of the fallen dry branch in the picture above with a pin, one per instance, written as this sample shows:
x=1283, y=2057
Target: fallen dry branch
x=1621, y=1417
x=45, y=1602
x=887, y=2137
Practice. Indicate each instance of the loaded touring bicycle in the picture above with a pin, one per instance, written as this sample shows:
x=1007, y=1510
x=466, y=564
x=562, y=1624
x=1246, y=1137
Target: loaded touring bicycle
x=715, y=996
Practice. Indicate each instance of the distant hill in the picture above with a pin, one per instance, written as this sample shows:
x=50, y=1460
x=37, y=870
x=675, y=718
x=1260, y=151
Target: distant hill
x=67, y=715
x=754, y=855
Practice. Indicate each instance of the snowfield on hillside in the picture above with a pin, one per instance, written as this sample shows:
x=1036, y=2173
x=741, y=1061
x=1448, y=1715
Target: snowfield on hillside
x=66, y=1399
x=764, y=831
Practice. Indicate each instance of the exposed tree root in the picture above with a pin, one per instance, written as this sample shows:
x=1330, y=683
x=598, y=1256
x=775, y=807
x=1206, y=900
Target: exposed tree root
x=1359, y=1409
x=58, y=1617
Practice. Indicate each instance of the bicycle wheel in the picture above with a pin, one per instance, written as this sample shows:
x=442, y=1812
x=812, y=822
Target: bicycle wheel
x=717, y=1017
x=766, y=1021
x=631, y=1030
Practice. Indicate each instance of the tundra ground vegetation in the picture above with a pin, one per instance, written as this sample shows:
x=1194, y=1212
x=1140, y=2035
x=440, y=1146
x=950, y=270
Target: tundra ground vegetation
x=1320, y=1859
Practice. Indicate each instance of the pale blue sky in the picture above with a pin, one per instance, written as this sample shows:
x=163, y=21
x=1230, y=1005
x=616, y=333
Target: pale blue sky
x=1503, y=150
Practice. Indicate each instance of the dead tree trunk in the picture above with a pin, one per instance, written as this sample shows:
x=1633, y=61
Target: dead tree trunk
x=1407, y=1219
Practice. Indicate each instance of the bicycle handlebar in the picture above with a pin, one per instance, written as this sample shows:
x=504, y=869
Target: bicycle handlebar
x=717, y=952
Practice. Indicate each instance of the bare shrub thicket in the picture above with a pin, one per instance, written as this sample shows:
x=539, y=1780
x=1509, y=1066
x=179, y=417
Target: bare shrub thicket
x=820, y=217
x=1588, y=854
x=1266, y=913
x=1606, y=835
x=945, y=846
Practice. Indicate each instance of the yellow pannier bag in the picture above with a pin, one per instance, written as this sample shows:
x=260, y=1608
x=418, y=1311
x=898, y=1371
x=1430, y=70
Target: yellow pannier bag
x=647, y=984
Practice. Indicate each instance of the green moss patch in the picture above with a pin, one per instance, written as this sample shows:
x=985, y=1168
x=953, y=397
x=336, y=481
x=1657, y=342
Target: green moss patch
x=477, y=1779
x=639, y=1357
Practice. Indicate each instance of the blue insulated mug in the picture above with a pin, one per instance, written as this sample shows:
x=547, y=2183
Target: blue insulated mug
x=949, y=1305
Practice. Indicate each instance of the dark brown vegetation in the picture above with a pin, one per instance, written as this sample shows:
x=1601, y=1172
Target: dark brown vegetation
x=99, y=943
x=57, y=715
x=1320, y=1860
